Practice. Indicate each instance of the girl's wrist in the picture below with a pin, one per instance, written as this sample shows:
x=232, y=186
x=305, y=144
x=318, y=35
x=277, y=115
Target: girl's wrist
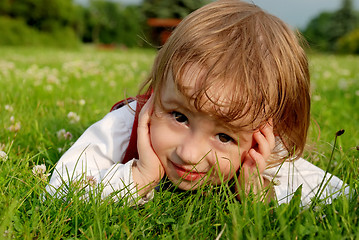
x=143, y=180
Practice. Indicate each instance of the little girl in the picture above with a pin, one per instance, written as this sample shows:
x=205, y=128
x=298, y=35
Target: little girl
x=228, y=97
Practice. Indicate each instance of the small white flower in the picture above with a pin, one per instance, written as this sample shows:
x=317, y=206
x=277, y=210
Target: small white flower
x=3, y=156
x=6, y=233
x=327, y=74
x=63, y=134
x=343, y=84
x=49, y=88
x=53, y=79
x=9, y=108
x=82, y=102
x=112, y=83
x=276, y=182
x=73, y=117
x=91, y=181
x=60, y=103
x=40, y=171
x=15, y=127
x=12, y=119
x=316, y=98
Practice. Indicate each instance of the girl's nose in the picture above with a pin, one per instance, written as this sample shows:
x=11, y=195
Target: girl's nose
x=192, y=150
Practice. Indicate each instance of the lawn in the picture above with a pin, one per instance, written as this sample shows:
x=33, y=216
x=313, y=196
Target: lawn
x=50, y=96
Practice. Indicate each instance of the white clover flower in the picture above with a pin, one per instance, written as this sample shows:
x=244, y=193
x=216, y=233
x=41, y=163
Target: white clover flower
x=60, y=103
x=316, y=98
x=53, y=79
x=63, y=134
x=49, y=88
x=39, y=169
x=327, y=74
x=9, y=108
x=82, y=102
x=112, y=83
x=91, y=181
x=343, y=84
x=40, y=172
x=3, y=156
x=15, y=127
x=73, y=117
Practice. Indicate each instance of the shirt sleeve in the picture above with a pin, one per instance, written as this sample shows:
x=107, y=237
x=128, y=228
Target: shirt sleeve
x=289, y=176
x=95, y=159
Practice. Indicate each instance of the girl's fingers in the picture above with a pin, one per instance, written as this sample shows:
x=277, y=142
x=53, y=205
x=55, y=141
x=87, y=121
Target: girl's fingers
x=259, y=160
x=268, y=133
x=266, y=140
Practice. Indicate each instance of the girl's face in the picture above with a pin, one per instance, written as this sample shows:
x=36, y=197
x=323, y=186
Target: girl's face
x=193, y=147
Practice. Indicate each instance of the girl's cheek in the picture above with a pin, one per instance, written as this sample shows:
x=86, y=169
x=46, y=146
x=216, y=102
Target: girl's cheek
x=227, y=166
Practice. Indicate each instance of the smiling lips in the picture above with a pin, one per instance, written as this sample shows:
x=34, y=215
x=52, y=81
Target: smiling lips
x=189, y=175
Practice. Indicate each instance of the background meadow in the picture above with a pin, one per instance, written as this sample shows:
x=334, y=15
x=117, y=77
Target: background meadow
x=50, y=96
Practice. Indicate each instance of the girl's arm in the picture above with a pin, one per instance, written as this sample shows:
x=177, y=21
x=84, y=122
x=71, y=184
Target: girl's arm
x=95, y=158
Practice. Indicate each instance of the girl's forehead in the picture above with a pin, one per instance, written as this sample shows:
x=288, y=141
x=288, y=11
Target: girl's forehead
x=195, y=83
x=199, y=93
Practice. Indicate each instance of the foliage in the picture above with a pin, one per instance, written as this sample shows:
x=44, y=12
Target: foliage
x=324, y=30
x=40, y=87
x=16, y=32
x=42, y=14
x=110, y=22
x=171, y=9
x=37, y=22
x=101, y=21
x=349, y=43
x=317, y=31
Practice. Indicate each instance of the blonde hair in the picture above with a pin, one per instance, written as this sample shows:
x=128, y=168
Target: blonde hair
x=252, y=57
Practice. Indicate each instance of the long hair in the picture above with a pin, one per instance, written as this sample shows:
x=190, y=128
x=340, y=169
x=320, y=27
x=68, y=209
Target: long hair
x=250, y=56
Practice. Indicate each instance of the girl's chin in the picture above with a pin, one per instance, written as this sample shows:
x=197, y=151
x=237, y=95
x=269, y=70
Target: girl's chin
x=185, y=185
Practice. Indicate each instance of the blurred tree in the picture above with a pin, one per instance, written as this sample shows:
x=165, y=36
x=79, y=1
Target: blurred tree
x=317, y=31
x=171, y=8
x=345, y=20
x=58, y=19
x=349, y=43
x=42, y=14
x=110, y=22
x=324, y=30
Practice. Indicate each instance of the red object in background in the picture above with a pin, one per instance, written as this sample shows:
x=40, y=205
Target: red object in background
x=162, y=27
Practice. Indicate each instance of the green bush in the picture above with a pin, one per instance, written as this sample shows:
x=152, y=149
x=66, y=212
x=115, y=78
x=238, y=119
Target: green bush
x=171, y=9
x=112, y=23
x=15, y=32
x=324, y=31
x=349, y=43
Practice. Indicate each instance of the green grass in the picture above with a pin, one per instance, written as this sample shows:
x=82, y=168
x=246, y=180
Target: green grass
x=39, y=87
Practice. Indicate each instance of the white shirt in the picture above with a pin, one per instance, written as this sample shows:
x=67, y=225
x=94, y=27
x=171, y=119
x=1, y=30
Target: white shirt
x=97, y=156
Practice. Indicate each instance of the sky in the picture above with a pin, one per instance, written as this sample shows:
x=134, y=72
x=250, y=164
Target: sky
x=296, y=13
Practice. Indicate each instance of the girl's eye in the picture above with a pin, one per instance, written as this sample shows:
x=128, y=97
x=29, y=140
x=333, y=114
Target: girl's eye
x=224, y=138
x=179, y=117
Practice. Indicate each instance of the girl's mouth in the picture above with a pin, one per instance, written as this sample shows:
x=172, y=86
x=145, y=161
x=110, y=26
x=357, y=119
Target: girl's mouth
x=188, y=175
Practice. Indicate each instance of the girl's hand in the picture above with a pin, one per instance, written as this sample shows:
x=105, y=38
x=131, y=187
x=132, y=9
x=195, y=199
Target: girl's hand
x=148, y=170
x=255, y=161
